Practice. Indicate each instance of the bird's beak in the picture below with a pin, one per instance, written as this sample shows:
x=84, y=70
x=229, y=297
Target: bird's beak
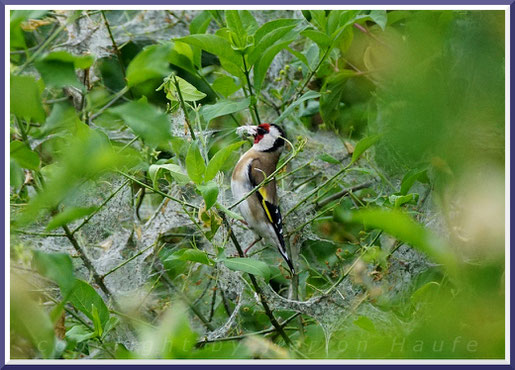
x=247, y=130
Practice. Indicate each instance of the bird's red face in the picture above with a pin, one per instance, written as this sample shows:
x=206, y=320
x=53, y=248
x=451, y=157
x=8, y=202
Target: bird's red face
x=262, y=130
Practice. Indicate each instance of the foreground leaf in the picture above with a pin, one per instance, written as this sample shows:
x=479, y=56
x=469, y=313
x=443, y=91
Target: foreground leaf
x=249, y=265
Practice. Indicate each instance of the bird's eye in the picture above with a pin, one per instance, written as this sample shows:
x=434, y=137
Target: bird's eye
x=261, y=131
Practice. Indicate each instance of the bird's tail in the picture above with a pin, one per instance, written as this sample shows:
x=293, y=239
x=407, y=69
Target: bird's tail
x=284, y=254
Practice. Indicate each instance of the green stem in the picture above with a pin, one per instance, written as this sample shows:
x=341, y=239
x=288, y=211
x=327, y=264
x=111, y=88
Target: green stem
x=252, y=97
x=183, y=107
x=157, y=191
x=127, y=261
x=257, y=289
x=86, y=220
x=314, y=191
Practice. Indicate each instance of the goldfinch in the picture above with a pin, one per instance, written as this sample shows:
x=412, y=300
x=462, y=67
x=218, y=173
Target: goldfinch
x=261, y=210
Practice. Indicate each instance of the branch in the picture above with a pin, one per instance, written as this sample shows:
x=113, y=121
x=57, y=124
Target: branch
x=257, y=289
x=344, y=192
x=183, y=107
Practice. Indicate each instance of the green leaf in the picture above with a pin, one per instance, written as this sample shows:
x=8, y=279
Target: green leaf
x=172, y=338
x=218, y=46
x=222, y=108
x=195, y=165
x=362, y=146
x=321, y=39
x=328, y=158
x=249, y=265
x=146, y=121
x=200, y=23
x=69, y=215
x=229, y=213
x=84, y=297
x=399, y=200
x=225, y=85
x=281, y=34
x=96, y=321
x=379, y=17
x=150, y=63
x=79, y=333
x=58, y=69
x=319, y=19
x=25, y=157
x=193, y=255
x=219, y=159
x=30, y=320
x=365, y=323
x=425, y=293
x=175, y=171
x=188, y=91
x=331, y=96
x=308, y=95
x=234, y=23
x=25, y=99
x=401, y=226
x=62, y=116
x=57, y=267
x=267, y=56
x=272, y=26
x=410, y=178
x=209, y=192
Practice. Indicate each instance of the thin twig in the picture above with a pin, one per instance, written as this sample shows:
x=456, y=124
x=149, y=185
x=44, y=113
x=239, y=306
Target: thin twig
x=257, y=289
x=183, y=106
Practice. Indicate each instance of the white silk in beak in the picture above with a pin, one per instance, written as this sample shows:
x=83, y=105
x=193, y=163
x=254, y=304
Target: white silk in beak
x=247, y=130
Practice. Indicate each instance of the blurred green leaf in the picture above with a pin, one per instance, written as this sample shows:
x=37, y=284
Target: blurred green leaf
x=219, y=159
x=175, y=171
x=328, y=158
x=319, y=37
x=79, y=333
x=188, y=91
x=84, y=297
x=209, y=192
x=308, y=95
x=69, y=215
x=425, y=293
x=331, y=94
x=273, y=36
x=225, y=85
x=362, y=146
x=57, y=267
x=25, y=157
x=62, y=116
x=222, y=108
x=193, y=255
x=195, y=165
x=402, y=226
x=249, y=265
x=410, y=178
x=151, y=63
x=58, y=68
x=218, y=46
x=379, y=17
x=25, y=99
x=173, y=338
x=399, y=200
x=31, y=321
x=146, y=121
x=365, y=323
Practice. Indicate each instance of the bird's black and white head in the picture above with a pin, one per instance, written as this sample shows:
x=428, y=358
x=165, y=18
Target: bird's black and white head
x=268, y=137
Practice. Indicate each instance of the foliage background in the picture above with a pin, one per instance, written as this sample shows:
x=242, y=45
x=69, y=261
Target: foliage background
x=123, y=228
